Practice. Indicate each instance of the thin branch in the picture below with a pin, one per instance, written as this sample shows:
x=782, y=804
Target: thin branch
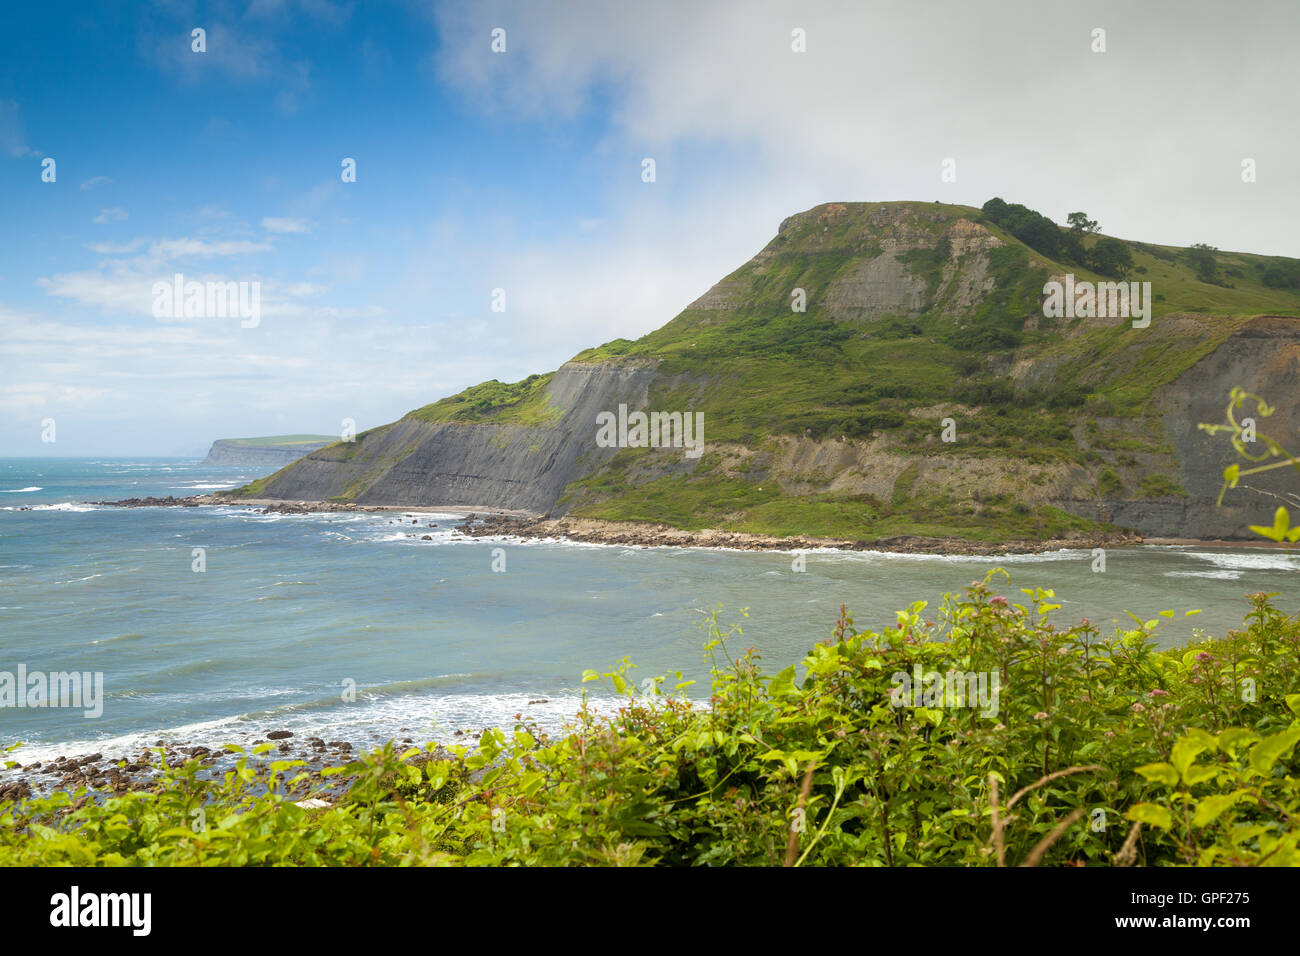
x=792, y=845
x=1047, y=779
x=1045, y=843
x=997, y=822
x=1127, y=854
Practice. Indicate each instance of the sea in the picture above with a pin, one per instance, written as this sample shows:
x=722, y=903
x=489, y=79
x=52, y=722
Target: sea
x=214, y=625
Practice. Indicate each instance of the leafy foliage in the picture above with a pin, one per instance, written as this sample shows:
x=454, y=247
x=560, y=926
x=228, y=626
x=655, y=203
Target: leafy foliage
x=1101, y=751
x=1201, y=258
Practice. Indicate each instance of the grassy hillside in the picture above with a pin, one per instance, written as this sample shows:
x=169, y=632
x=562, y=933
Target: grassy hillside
x=280, y=441
x=520, y=403
x=760, y=371
x=915, y=313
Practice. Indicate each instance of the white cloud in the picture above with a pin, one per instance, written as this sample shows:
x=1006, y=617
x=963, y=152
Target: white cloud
x=285, y=225
x=115, y=214
x=129, y=385
x=168, y=250
x=115, y=248
x=94, y=181
x=884, y=93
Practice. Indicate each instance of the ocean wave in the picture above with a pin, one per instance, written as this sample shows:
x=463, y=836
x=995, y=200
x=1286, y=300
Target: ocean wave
x=364, y=724
x=120, y=638
x=18, y=491
x=88, y=577
x=1247, y=560
x=77, y=506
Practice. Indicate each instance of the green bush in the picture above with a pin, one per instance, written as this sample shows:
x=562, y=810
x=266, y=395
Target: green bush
x=1096, y=751
x=1108, y=483
x=1160, y=486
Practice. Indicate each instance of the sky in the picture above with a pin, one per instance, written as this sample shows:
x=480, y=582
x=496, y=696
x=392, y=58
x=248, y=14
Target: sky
x=522, y=170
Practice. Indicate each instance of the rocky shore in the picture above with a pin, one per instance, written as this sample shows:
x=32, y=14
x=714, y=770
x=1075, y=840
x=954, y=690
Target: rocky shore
x=481, y=523
x=276, y=506
x=125, y=772
x=101, y=775
x=488, y=522
x=658, y=535
x=268, y=507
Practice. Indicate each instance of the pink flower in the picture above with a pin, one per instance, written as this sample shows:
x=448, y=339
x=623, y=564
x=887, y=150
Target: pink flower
x=998, y=599
x=1204, y=656
x=1138, y=709
x=1158, y=693
x=1041, y=715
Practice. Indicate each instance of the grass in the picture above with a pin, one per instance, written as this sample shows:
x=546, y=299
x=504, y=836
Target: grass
x=519, y=403
x=280, y=440
x=734, y=504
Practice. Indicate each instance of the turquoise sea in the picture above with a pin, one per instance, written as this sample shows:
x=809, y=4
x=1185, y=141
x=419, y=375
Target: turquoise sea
x=292, y=610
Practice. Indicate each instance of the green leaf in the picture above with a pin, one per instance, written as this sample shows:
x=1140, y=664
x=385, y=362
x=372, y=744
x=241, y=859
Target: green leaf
x=1293, y=703
x=1212, y=807
x=1184, y=752
x=1159, y=773
x=1269, y=750
x=1151, y=814
x=1280, y=529
x=783, y=683
x=1234, y=737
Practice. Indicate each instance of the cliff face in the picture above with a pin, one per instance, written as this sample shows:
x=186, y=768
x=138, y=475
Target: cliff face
x=515, y=467
x=831, y=420
x=1263, y=357
x=254, y=453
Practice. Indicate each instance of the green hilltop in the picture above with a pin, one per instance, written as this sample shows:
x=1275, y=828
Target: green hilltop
x=827, y=421
x=280, y=441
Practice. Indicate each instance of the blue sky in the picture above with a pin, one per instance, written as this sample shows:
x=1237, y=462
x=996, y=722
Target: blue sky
x=478, y=170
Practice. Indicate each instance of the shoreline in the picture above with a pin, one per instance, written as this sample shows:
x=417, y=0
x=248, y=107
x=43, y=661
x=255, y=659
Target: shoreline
x=481, y=522
x=280, y=506
x=136, y=769
x=629, y=533
x=103, y=775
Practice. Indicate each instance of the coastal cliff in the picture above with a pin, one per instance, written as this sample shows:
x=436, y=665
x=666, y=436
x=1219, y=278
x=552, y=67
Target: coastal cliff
x=879, y=369
x=273, y=452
